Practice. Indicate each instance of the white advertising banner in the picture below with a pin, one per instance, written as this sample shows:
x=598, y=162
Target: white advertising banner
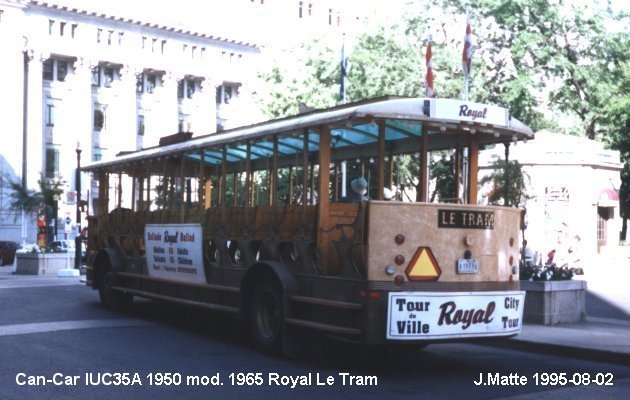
x=443, y=315
x=460, y=110
x=174, y=252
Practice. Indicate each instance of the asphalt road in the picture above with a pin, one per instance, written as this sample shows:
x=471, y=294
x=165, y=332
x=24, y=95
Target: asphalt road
x=56, y=341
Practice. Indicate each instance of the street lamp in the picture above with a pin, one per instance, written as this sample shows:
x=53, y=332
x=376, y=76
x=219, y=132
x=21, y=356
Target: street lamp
x=77, y=180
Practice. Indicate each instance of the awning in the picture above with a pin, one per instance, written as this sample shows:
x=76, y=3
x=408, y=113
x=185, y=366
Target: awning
x=608, y=198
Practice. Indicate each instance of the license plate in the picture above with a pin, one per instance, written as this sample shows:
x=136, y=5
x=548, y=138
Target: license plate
x=467, y=266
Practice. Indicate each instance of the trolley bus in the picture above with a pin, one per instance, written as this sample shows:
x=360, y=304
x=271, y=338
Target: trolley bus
x=252, y=221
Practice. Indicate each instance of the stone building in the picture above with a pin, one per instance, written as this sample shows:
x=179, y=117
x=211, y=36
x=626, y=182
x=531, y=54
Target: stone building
x=573, y=185
x=112, y=76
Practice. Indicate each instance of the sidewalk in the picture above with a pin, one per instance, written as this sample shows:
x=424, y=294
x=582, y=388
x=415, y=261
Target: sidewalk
x=605, y=336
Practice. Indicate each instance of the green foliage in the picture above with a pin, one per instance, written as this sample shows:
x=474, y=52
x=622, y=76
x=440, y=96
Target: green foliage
x=30, y=200
x=568, y=59
x=508, y=184
x=443, y=171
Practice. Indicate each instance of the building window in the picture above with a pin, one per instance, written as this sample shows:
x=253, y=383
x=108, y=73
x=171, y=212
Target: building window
x=48, y=70
x=51, y=26
x=601, y=228
x=62, y=28
x=229, y=92
x=97, y=154
x=120, y=38
x=99, y=120
x=330, y=16
x=180, y=89
x=144, y=42
x=226, y=92
x=62, y=70
x=54, y=70
x=99, y=35
x=187, y=88
x=163, y=47
x=73, y=30
x=146, y=83
x=140, y=83
x=190, y=88
x=108, y=76
x=140, y=127
x=151, y=83
x=50, y=112
x=52, y=162
x=300, y=5
x=110, y=34
x=96, y=76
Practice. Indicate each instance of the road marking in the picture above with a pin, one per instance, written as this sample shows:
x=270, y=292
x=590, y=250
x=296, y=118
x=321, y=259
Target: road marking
x=43, y=327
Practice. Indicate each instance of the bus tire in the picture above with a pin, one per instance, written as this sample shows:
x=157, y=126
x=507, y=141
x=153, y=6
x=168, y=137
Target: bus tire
x=267, y=315
x=110, y=298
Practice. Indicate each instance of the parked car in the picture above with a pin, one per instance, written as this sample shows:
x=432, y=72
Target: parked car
x=7, y=251
x=62, y=246
x=67, y=246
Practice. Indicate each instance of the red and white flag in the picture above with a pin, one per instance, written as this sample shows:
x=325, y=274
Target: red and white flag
x=468, y=48
x=429, y=78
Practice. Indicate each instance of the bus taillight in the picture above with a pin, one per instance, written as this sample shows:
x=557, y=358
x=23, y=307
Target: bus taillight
x=370, y=294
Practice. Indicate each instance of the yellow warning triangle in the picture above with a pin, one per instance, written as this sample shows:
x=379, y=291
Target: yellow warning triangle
x=423, y=266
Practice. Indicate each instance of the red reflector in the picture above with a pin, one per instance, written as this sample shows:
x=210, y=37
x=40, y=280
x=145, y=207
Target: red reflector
x=371, y=295
x=399, y=280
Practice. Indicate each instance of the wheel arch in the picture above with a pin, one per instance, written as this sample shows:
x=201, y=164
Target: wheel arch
x=281, y=273
x=107, y=258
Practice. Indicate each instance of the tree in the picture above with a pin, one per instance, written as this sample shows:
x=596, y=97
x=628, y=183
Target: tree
x=556, y=65
x=508, y=184
x=618, y=138
x=29, y=201
x=443, y=171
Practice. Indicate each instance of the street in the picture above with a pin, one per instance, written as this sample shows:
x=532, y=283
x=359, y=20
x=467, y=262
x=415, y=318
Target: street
x=56, y=341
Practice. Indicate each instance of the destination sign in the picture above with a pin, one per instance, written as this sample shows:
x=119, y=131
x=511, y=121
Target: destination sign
x=465, y=219
x=417, y=316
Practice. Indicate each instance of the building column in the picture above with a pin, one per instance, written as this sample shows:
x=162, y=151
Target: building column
x=81, y=128
x=167, y=108
x=205, y=119
x=34, y=147
x=124, y=112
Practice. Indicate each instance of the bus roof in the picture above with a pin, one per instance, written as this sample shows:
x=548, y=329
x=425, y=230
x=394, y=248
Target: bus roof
x=448, y=123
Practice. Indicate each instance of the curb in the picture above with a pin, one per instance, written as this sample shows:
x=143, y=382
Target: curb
x=564, y=350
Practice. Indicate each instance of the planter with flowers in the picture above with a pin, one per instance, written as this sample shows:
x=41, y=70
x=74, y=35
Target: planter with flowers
x=552, y=296
x=41, y=262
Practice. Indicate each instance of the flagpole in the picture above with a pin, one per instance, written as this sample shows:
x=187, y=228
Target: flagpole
x=467, y=52
x=428, y=89
x=342, y=99
x=344, y=72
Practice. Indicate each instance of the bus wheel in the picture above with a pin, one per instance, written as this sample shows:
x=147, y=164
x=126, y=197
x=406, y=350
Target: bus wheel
x=111, y=298
x=266, y=317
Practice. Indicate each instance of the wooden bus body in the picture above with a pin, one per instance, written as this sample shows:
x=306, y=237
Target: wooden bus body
x=249, y=221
